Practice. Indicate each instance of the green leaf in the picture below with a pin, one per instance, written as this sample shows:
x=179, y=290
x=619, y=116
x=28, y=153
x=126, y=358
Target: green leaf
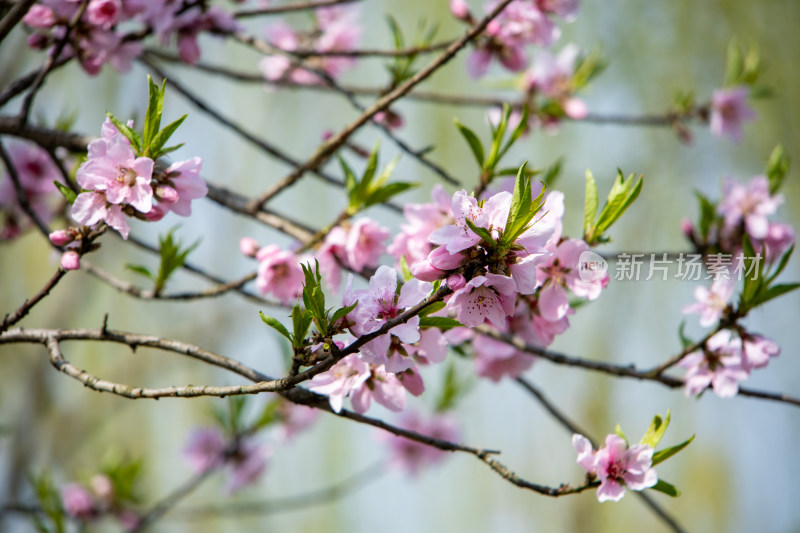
x=342, y=312
x=269, y=415
x=662, y=455
x=161, y=138
x=734, y=68
x=127, y=132
x=685, y=341
x=623, y=193
x=155, y=106
x=522, y=209
x=656, y=430
x=553, y=172
x=172, y=258
x=498, y=133
x=350, y=182
x=590, y=203
x=777, y=168
x=404, y=269
x=473, y=141
x=483, y=233
x=140, y=269
x=708, y=214
x=452, y=389
x=667, y=488
x=388, y=191
x=781, y=264
x=276, y=325
x=441, y=322
x=780, y=289
x=517, y=133
x=369, y=171
x=68, y=194
x=434, y=307
x=620, y=434
x=169, y=149
x=301, y=321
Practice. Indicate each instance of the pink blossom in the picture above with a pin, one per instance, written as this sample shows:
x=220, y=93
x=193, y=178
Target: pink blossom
x=757, y=351
x=491, y=216
x=248, y=246
x=729, y=110
x=246, y=464
x=552, y=74
x=412, y=381
x=385, y=388
x=559, y=272
x=378, y=305
x=279, y=273
x=751, y=204
x=495, y=359
x=566, y=9
x=413, y=457
x=206, y=449
x=459, y=9
x=780, y=237
x=295, y=418
x=331, y=255
x=719, y=365
x=103, y=13
x=616, y=465
x=39, y=16
x=343, y=378
x=92, y=207
x=421, y=220
x=77, y=501
x=103, y=487
x=490, y=297
x=711, y=303
x=365, y=243
x=184, y=177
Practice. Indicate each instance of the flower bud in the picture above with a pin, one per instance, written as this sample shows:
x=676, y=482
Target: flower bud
x=459, y=9
x=424, y=271
x=62, y=237
x=71, y=260
x=165, y=193
x=444, y=260
x=456, y=281
x=248, y=246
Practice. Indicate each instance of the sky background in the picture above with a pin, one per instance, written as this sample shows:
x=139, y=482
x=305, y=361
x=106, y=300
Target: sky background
x=738, y=476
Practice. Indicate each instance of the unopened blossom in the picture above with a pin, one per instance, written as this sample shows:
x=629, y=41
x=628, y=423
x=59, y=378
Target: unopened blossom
x=413, y=457
x=616, y=465
x=729, y=111
x=750, y=205
x=718, y=365
x=279, y=273
x=77, y=501
x=412, y=381
x=103, y=13
x=711, y=303
x=70, y=260
x=248, y=246
x=346, y=376
x=490, y=297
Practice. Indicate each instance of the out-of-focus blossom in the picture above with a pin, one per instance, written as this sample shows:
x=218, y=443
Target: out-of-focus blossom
x=77, y=501
x=279, y=273
x=749, y=204
x=729, y=111
x=711, y=303
x=412, y=456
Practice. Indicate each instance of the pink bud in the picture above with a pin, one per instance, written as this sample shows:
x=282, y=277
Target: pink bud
x=456, y=281
x=62, y=237
x=686, y=227
x=424, y=271
x=39, y=16
x=70, y=260
x=575, y=109
x=459, y=9
x=102, y=487
x=327, y=134
x=156, y=213
x=412, y=381
x=167, y=194
x=248, y=246
x=444, y=260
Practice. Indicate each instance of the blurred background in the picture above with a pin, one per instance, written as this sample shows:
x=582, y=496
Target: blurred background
x=740, y=473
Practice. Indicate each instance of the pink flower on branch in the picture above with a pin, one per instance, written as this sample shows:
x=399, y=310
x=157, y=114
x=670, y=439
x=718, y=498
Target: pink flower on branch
x=616, y=465
x=729, y=111
x=279, y=273
x=711, y=303
x=718, y=365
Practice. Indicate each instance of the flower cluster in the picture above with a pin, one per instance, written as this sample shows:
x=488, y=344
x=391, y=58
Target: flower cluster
x=353, y=246
x=117, y=183
x=729, y=111
x=521, y=23
x=36, y=172
x=243, y=458
x=336, y=30
x=107, y=31
x=616, y=465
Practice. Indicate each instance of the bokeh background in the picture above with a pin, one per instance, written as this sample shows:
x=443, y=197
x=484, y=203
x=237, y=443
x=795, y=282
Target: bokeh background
x=738, y=476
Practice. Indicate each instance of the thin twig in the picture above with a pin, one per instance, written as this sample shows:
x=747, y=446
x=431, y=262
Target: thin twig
x=331, y=145
x=13, y=17
x=12, y=318
x=161, y=508
x=287, y=8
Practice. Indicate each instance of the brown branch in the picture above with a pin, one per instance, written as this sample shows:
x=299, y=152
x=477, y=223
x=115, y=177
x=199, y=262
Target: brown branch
x=161, y=508
x=13, y=17
x=12, y=318
x=331, y=145
x=287, y=8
